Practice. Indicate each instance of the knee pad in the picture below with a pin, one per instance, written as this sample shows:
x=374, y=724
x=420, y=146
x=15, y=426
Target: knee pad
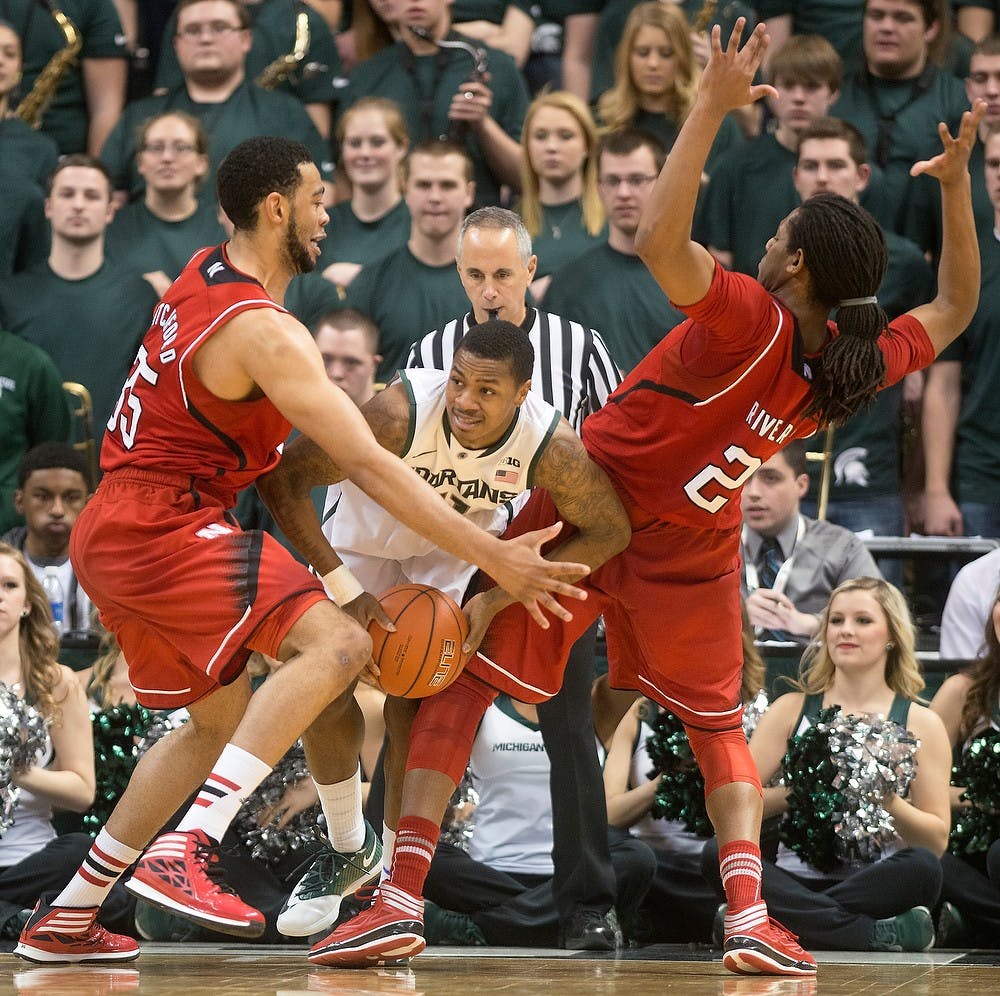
x=445, y=727
x=723, y=757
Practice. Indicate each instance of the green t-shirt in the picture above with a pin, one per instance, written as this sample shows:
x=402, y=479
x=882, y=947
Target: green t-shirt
x=91, y=328
x=913, y=108
x=406, y=299
x=423, y=86
x=976, y=464
x=563, y=237
x=311, y=295
x=486, y=10
x=866, y=449
x=100, y=29
x=25, y=152
x=839, y=21
x=273, y=26
x=666, y=130
x=615, y=294
x=24, y=231
x=33, y=410
x=143, y=242
x=351, y=240
x=248, y=111
x=612, y=24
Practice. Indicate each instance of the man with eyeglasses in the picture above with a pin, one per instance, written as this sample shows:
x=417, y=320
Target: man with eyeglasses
x=923, y=215
x=212, y=42
x=609, y=288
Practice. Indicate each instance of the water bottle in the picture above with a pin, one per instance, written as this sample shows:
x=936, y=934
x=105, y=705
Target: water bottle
x=54, y=592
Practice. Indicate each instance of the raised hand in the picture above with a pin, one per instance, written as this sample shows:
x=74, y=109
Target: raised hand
x=728, y=78
x=954, y=160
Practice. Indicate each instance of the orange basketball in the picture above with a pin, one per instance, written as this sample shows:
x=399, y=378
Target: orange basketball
x=424, y=655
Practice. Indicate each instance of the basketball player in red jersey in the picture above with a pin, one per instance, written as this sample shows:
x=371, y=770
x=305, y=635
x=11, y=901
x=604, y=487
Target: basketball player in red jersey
x=757, y=363
x=222, y=374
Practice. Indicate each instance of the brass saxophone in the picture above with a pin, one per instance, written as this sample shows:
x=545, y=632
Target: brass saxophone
x=36, y=102
x=282, y=67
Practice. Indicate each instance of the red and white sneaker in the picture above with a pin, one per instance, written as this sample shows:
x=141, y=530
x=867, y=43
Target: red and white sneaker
x=766, y=949
x=69, y=934
x=180, y=873
x=387, y=932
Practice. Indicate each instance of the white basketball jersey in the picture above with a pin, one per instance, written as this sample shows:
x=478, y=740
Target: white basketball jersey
x=484, y=485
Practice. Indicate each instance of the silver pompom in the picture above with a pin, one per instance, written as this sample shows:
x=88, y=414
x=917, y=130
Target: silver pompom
x=24, y=735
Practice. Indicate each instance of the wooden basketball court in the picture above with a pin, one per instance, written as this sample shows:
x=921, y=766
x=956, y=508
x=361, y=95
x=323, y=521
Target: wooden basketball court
x=249, y=970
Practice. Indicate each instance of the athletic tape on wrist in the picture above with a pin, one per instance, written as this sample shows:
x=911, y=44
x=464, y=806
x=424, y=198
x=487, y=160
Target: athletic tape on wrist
x=342, y=585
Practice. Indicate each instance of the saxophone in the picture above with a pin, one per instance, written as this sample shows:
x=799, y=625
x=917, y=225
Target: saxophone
x=279, y=70
x=36, y=102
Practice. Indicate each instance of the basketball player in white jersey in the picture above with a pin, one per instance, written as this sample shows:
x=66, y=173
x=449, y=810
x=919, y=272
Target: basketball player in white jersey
x=480, y=439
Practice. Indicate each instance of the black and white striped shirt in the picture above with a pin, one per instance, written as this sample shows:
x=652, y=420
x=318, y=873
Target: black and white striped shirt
x=573, y=369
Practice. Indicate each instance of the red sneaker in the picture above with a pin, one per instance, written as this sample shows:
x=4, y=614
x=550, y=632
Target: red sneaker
x=180, y=873
x=71, y=934
x=388, y=931
x=766, y=949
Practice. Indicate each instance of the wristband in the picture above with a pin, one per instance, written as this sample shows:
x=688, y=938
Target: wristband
x=342, y=585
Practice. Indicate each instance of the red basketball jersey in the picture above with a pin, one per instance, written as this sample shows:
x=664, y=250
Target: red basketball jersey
x=166, y=419
x=718, y=396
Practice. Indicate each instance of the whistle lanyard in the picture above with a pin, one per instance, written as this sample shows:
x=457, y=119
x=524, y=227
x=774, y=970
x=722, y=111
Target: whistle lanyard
x=781, y=579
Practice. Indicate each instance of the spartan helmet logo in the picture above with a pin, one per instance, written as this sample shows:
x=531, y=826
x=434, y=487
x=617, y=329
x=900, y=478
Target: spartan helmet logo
x=849, y=467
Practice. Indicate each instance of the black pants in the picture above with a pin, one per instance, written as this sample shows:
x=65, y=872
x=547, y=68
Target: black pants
x=49, y=870
x=520, y=910
x=974, y=887
x=583, y=877
x=840, y=914
x=680, y=905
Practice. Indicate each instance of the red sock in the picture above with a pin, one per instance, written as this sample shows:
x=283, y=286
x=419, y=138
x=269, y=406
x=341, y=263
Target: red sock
x=739, y=865
x=416, y=839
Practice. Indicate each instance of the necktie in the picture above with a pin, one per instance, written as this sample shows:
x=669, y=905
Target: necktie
x=770, y=563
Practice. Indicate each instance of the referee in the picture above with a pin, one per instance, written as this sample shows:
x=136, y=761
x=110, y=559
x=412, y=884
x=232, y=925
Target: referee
x=574, y=372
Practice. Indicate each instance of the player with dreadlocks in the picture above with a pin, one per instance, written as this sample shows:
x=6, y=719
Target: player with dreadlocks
x=756, y=364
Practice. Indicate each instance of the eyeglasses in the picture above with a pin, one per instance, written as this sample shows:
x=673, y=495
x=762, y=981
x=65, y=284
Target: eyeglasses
x=211, y=28
x=177, y=148
x=633, y=182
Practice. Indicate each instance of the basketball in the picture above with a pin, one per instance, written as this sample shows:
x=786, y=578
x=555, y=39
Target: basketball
x=424, y=655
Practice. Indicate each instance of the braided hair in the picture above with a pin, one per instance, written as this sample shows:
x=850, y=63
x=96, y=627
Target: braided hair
x=846, y=255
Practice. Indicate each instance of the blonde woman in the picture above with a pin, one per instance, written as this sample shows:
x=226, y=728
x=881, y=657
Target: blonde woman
x=374, y=221
x=33, y=859
x=560, y=202
x=866, y=665
x=656, y=79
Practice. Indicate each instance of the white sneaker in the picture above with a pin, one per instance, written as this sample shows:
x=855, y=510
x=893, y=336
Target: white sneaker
x=315, y=901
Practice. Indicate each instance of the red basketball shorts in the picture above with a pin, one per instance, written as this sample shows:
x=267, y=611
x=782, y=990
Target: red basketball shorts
x=671, y=605
x=186, y=591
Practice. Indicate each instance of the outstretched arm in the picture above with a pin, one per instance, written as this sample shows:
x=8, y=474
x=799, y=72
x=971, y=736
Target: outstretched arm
x=946, y=317
x=681, y=266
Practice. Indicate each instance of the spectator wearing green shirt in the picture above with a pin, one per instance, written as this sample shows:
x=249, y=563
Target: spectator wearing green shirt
x=373, y=143
x=417, y=287
x=865, y=491
x=750, y=190
x=88, y=313
x=158, y=234
x=656, y=79
x=90, y=95
x=898, y=95
x=609, y=287
x=439, y=95
x=560, y=202
x=961, y=410
x=212, y=42
x=504, y=26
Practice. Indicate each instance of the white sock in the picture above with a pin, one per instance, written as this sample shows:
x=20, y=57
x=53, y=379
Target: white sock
x=388, y=846
x=235, y=775
x=345, y=822
x=101, y=868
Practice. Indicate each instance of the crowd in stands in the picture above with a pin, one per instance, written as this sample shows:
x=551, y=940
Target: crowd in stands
x=550, y=121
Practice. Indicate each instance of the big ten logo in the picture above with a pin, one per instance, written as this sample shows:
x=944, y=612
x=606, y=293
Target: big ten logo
x=166, y=318
x=445, y=661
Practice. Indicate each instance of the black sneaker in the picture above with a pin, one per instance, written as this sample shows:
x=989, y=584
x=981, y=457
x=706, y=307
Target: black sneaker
x=950, y=930
x=588, y=930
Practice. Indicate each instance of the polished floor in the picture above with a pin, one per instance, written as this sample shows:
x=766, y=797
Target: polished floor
x=246, y=970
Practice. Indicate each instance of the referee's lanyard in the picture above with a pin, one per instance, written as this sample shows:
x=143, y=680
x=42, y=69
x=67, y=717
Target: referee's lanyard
x=781, y=579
